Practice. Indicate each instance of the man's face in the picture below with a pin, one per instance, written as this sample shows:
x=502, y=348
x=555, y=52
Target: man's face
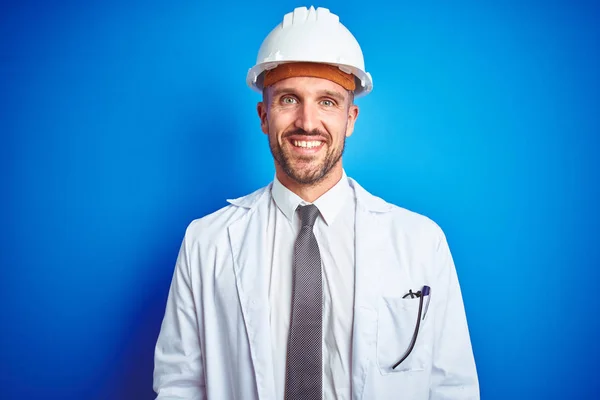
x=307, y=120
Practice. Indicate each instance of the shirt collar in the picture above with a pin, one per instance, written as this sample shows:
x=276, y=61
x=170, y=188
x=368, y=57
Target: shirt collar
x=329, y=204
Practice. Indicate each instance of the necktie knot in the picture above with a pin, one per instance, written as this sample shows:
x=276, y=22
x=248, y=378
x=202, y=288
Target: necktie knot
x=308, y=214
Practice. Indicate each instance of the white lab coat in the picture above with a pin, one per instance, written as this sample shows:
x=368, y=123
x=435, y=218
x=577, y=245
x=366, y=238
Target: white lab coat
x=215, y=337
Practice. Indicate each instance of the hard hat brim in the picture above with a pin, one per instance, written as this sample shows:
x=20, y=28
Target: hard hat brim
x=364, y=82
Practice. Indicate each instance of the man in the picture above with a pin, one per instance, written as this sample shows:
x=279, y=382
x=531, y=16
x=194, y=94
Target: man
x=312, y=288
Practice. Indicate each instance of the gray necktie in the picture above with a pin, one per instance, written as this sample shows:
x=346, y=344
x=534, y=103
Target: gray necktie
x=303, y=379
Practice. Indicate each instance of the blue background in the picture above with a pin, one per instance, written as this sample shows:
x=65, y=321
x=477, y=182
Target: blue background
x=120, y=122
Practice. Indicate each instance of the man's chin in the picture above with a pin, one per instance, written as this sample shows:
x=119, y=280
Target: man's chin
x=305, y=176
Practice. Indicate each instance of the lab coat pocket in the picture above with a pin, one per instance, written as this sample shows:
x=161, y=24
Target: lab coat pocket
x=395, y=329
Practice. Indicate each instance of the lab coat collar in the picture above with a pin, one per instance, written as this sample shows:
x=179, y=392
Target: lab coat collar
x=364, y=199
x=251, y=199
x=367, y=201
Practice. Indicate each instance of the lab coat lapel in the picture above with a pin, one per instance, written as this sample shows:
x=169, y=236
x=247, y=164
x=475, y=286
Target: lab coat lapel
x=248, y=237
x=370, y=254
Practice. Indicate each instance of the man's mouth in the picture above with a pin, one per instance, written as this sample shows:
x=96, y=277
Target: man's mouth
x=307, y=144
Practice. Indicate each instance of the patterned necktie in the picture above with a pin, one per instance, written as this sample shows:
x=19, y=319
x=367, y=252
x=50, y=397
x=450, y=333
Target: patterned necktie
x=303, y=379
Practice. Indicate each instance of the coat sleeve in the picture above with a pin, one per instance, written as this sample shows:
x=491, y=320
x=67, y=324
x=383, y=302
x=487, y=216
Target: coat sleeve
x=178, y=367
x=454, y=376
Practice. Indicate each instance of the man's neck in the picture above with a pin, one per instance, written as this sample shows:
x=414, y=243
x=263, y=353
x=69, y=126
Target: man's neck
x=312, y=192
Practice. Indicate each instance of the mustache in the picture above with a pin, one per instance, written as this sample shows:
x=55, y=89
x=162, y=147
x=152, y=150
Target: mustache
x=300, y=131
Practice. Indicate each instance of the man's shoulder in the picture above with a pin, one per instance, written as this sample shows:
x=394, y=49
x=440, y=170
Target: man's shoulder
x=217, y=222
x=411, y=221
x=401, y=218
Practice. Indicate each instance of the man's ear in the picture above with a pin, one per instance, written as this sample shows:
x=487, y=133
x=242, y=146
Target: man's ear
x=261, y=109
x=352, y=116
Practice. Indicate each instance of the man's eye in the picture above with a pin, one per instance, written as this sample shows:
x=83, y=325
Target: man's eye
x=327, y=103
x=288, y=100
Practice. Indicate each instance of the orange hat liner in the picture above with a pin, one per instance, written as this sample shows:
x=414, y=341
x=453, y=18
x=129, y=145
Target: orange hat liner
x=316, y=70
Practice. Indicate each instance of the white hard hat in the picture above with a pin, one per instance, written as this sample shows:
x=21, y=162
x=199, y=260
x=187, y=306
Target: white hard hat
x=309, y=35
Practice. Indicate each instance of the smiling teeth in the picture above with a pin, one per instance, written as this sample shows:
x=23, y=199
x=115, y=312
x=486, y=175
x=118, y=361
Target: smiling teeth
x=302, y=143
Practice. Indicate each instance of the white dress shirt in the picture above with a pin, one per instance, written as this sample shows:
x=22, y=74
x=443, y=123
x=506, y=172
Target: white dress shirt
x=334, y=231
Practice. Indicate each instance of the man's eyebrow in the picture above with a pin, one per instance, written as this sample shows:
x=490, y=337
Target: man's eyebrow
x=283, y=90
x=335, y=95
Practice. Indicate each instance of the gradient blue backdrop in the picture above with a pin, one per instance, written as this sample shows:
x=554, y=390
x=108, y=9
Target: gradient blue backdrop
x=120, y=122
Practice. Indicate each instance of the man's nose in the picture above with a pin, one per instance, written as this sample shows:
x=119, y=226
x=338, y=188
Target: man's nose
x=307, y=117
